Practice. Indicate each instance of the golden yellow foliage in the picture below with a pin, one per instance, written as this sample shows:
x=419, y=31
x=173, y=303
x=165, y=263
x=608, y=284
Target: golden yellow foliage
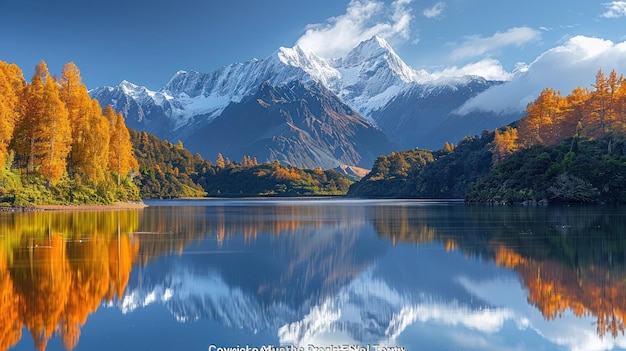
x=504, y=143
x=11, y=86
x=595, y=113
x=90, y=129
x=121, y=157
x=45, y=134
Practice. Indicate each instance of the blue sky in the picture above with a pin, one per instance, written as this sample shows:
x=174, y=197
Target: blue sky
x=146, y=42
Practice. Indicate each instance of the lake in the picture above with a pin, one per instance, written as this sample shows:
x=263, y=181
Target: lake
x=314, y=275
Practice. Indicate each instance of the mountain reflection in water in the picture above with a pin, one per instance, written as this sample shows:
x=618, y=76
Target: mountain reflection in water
x=419, y=274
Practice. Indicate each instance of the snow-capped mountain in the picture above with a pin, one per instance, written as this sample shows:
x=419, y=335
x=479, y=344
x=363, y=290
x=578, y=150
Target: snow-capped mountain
x=295, y=123
x=372, y=79
x=372, y=74
x=366, y=78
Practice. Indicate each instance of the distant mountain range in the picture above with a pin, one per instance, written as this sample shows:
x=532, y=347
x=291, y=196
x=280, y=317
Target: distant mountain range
x=308, y=111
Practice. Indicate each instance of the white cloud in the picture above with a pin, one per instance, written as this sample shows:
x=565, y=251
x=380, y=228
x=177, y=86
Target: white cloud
x=435, y=11
x=615, y=9
x=363, y=19
x=476, y=45
x=488, y=68
x=563, y=68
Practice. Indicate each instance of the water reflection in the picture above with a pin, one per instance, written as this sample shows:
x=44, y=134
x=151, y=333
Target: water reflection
x=425, y=275
x=57, y=268
x=569, y=259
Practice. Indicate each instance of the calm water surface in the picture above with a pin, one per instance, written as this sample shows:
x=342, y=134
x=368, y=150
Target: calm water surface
x=210, y=274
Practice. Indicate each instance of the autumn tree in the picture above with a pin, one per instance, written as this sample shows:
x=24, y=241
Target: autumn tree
x=249, y=162
x=614, y=82
x=620, y=107
x=540, y=126
x=31, y=107
x=11, y=86
x=504, y=143
x=90, y=130
x=603, y=105
x=56, y=137
x=220, y=163
x=90, y=151
x=448, y=147
x=121, y=158
x=576, y=101
x=44, y=132
x=597, y=109
x=72, y=92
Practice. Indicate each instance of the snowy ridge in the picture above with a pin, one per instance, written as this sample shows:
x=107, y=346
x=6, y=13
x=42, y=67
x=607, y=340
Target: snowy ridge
x=319, y=69
x=366, y=79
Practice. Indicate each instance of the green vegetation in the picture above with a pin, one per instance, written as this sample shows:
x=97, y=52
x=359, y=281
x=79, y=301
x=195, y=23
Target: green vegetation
x=272, y=179
x=446, y=173
x=394, y=175
x=574, y=171
x=568, y=149
x=577, y=170
x=167, y=170
x=57, y=145
x=19, y=190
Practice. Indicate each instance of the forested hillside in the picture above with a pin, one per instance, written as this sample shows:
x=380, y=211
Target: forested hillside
x=566, y=149
x=270, y=179
x=165, y=170
x=57, y=145
x=168, y=170
x=446, y=173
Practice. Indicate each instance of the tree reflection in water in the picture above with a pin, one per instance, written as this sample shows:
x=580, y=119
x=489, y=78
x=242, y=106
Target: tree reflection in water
x=57, y=268
x=567, y=258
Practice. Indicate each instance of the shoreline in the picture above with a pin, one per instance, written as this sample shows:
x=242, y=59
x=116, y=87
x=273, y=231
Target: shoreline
x=93, y=207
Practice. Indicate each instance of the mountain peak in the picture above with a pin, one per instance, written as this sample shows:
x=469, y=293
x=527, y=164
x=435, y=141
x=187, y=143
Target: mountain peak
x=129, y=88
x=318, y=68
x=369, y=49
x=128, y=84
x=378, y=42
x=375, y=52
x=295, y=56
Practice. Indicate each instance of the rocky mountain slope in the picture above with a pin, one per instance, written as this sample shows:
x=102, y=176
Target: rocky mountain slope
x=381, y=93
x=295, y=123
